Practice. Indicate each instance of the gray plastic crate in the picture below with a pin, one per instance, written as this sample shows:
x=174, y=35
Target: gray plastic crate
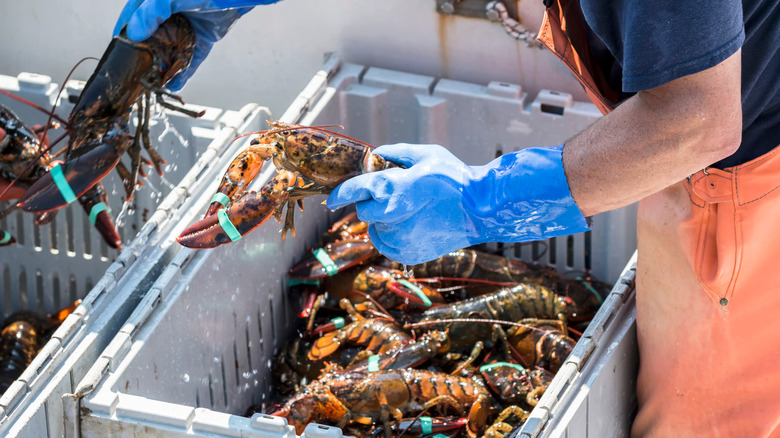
x=55, y=264
x=196, y=353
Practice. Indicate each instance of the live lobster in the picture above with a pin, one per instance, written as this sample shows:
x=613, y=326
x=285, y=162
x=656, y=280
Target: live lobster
x=98, y=130
x=310, y=161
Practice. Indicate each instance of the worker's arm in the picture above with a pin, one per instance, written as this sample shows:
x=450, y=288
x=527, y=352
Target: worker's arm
x=656, y=138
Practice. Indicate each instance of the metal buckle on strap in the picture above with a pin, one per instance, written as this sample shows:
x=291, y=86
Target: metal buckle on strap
x=704, y=171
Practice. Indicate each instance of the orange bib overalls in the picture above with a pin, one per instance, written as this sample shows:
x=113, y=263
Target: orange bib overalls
x=708, y=292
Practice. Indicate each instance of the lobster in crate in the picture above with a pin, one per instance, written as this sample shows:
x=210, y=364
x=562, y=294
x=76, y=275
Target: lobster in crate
x=98, y=126
x=310, y=161
x=493, y=327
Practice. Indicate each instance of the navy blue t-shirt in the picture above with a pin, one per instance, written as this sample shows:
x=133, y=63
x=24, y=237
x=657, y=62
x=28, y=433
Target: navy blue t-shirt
x=654, y=42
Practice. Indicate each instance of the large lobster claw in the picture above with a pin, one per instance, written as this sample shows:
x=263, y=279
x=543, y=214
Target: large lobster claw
x=241, y=216
x=335, y=257
x=92, y=162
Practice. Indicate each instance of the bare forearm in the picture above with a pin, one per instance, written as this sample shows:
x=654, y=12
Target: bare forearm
x=655, y=139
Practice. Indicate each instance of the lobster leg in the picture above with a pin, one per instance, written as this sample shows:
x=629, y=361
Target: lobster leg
x=157, y=160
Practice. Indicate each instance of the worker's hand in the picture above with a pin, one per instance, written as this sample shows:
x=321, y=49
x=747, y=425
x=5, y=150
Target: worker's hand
x=211, y=19
x=438, y=204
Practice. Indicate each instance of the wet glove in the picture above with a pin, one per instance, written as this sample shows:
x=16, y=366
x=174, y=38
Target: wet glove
x=211, y=19
x=438, y=204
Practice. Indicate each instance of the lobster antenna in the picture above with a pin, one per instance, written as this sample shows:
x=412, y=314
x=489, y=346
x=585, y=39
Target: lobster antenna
x=33, y=104
x=489, y=321
x=45, y=129
x=318, y=128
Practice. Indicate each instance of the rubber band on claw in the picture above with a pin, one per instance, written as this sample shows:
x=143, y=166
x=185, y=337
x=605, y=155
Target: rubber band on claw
x=62, y=184
x=373, y=363
x=227, y=226
x=327, y=263
x=96, y=210
x=5, y=237
x=427, y=425
x=500, y=364
x=220, y=198
x=420, y=294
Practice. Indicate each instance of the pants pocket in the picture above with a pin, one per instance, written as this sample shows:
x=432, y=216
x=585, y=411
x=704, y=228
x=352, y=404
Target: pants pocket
x=710, y=241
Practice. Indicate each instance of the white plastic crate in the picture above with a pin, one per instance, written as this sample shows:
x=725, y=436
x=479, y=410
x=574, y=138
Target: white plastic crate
x=55, y=264
x=197, y=351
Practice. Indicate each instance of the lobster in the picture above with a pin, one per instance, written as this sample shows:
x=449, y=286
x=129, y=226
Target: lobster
x=23, y=161
x=509, y=304
x=98, y=124
x=319, y=159
x=469, y=263
x=380, y=335
x=383, y=396
x=22, y=334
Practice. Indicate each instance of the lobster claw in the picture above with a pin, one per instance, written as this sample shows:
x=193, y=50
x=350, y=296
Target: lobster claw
x=95, y=204
x=78, y=174
x=335, y=257
x=241, y=216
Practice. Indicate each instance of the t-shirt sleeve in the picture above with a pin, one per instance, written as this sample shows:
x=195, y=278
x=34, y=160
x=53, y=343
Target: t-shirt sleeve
x=664, y=40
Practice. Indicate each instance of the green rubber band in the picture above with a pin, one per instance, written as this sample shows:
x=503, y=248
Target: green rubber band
x=427, y=425
x=221, y=198
x=592, y=290
x=330, y=267
x=373, y=363
x=490, y=366
x=420, y=294
x=96, y=210
x=6, y=237
x=297, y=281
x=62, y=184
x=438, y=435
x=338, y=322
x=230, y=229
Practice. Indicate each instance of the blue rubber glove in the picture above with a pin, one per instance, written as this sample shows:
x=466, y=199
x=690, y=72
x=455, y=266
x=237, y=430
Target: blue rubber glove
x=211, y=20
x=438, y=204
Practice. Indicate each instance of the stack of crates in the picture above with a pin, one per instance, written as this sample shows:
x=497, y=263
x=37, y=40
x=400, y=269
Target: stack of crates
x=197, y=350
x=53, y=265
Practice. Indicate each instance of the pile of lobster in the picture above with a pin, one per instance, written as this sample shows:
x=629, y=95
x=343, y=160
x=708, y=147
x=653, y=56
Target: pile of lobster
x=22, y=335
x=98, y=132
x=464, y=347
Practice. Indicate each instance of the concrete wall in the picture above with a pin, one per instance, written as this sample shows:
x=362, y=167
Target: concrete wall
x=272, y=52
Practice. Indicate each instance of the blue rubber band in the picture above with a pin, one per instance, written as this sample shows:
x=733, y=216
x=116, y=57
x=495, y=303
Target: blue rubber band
x=438, y=435
x=490, y=366
x=221, y=198
x=327, y=263
x=62, y=184
x=420, y=294
x=373, y=363
x=338, y=322
x=427, y=425
x=6, y=237
x=230, y=229
x=96, y=210
x=297, y=281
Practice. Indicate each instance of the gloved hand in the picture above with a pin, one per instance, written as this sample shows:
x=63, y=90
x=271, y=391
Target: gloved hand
x=211, y=19
x=438, y=204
